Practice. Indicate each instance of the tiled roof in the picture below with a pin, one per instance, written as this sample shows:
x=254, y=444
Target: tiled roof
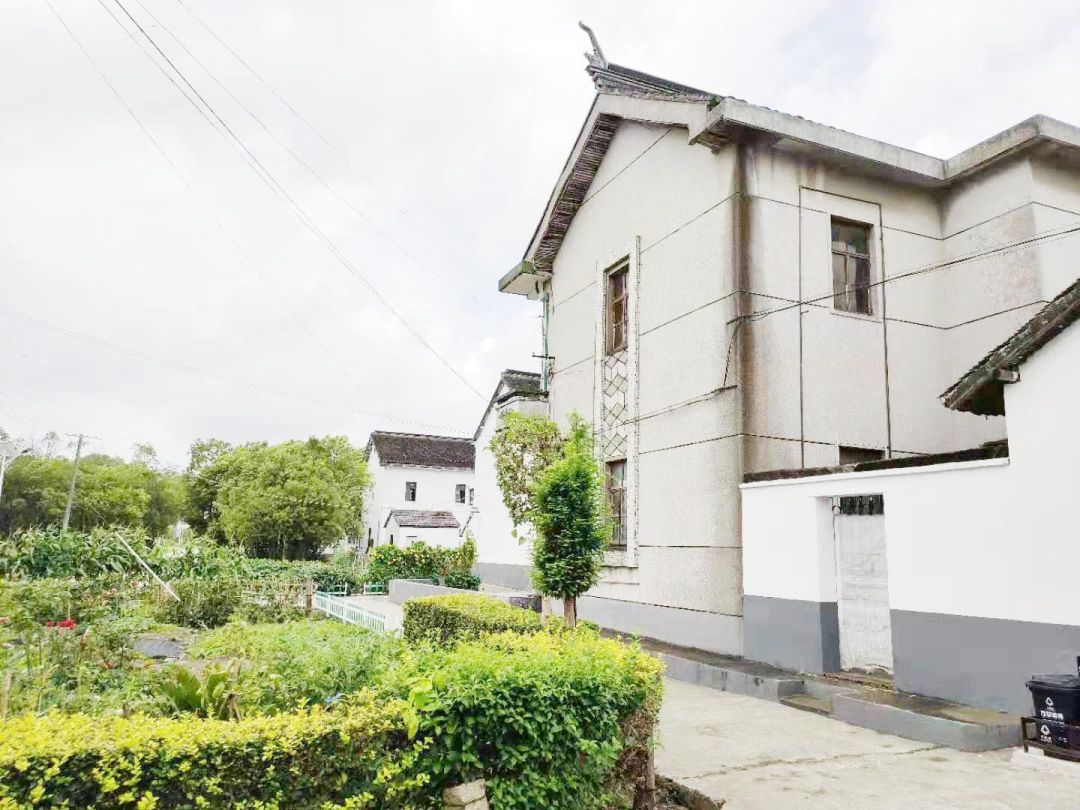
x=419, y=450
x=421, y=519
x=517, y=383
x=511, y=384
x=612, y=78
x=981, y=390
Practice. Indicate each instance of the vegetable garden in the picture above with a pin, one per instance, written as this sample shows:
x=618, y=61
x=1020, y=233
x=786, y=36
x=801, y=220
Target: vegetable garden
x=261, y=706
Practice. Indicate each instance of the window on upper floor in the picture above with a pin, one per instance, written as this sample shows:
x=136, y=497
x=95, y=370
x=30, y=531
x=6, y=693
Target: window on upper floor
x=617, y=310
x=459, y=493
x=851, y=266
x=616, y=491
x=472, y=496
x=410, y=490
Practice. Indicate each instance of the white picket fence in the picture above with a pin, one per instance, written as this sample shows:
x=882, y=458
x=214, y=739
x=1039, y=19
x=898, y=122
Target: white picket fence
x=348, y=612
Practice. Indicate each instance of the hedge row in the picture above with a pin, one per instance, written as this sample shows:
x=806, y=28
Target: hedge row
x=442, y=619
x=555, y=720
x=298, y=760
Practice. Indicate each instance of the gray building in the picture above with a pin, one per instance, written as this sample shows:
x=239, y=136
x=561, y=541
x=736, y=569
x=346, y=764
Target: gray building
x=728, y=289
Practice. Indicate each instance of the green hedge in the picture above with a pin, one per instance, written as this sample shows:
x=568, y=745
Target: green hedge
x=442, y=619
x=558, y=720
x=297, y=760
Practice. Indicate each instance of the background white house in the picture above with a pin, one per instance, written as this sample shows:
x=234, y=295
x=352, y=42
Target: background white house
x=421, y=489
x=503, y=554
x=958, y=573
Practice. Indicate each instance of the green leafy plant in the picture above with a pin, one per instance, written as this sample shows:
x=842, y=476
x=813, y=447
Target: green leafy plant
x=523, y=448
x=357, y=755
x=203, y=603
x=214, y=695
x=466, y=582
x=54, y=552
x=299, y=663
x=447, y=619
x=549, y=719
x=570, y=517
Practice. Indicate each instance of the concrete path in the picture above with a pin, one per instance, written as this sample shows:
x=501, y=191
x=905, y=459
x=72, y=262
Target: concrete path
x=760, y=755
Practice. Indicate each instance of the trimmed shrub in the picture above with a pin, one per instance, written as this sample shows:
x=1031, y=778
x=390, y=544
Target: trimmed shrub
x=467, y=582
x=445, y=619
x=298, y=760
x=553, y=719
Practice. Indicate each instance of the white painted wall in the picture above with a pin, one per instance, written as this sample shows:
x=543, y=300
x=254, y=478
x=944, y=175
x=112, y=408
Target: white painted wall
x=993, y=539
x=435, y=491
x=809, y=378
x=403, y=537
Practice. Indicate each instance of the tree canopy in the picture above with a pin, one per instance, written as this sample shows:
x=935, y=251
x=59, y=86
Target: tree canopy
x=110, y=492
x=288, y=500
x=523, y=447
x=568, y=510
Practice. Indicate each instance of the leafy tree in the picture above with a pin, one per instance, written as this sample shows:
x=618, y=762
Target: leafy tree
x=569, y=513
x=110, y=492
x=523, y=447
x=288, y=500
x=204, y=476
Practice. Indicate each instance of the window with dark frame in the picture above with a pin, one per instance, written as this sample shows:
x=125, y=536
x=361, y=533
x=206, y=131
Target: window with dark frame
x=410, y=490
x=459, y=493
x=617, y=315
x=472, y=496
x=616, y=489
x=851, y=266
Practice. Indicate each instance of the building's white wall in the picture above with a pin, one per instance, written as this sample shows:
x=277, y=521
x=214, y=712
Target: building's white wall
x=991, y=539
x=676, y=200
x=435, y=491
x=491, y=526
x=403, y=537
x=718, y=232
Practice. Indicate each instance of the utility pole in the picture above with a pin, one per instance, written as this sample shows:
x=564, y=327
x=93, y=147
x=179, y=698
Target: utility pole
x=74, y=475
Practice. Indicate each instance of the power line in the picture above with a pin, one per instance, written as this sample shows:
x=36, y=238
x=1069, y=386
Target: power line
x=1052, y=234
x=307, y=166
x=311, y=127
x=267, y=177
x=196, y=370
x=216, y=220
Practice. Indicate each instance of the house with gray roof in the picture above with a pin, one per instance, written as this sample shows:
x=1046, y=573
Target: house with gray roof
x=422, y=488
x=954, y=573
x=728, y=289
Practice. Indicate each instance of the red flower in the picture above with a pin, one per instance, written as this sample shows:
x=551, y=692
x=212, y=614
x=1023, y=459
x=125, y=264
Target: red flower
x=67, y=624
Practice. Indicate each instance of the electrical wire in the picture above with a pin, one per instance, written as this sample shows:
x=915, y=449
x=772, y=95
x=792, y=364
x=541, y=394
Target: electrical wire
x=267, y=177
x=311, y=127
x=307, y=166
x=196, y=370
x=191, y=188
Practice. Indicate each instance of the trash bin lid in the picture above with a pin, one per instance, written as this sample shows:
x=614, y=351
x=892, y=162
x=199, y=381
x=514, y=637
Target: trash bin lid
x=1055, y=682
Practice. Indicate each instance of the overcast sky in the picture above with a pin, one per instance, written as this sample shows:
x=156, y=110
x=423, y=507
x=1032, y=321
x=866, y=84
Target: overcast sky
x=443, y=126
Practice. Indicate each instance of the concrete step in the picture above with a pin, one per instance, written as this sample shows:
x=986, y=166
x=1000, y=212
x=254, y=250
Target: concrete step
x=928, y=720
x=808, y=703
x=738, y=676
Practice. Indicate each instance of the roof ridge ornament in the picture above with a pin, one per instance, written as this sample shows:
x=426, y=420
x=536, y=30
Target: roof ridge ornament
x=596, y=58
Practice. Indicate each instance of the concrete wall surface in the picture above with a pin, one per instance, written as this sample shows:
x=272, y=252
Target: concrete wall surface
x=982, y=557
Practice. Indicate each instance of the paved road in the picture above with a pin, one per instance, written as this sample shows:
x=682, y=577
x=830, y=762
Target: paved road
x=764, y=756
